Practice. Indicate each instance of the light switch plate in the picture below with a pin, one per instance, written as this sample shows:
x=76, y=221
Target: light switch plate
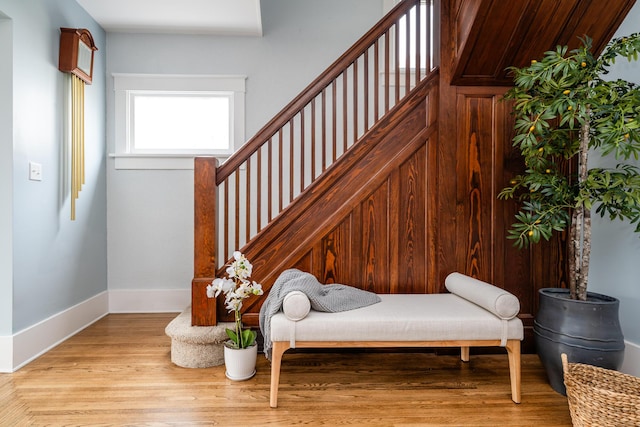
x=35, y=171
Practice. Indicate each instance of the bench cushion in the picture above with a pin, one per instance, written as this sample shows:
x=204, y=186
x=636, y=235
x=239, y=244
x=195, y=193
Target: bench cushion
x=296, y=305
x=400, y=317
x=498, y=301
x=503, y=304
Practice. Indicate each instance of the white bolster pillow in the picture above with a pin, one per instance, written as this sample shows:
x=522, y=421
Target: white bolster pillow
x=496, y=300
x=296, y=305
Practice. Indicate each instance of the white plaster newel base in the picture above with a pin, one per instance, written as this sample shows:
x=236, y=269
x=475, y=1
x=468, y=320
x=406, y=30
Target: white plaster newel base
x=196, y=346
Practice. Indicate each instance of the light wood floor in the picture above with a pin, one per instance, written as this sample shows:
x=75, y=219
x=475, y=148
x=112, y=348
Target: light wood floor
x=118, y=372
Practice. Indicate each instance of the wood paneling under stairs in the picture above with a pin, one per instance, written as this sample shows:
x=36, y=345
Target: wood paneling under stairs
x=490, y=35
x=485, y=162
x=118, y=372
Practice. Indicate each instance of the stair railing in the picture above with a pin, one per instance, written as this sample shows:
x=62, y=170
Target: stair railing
x=289, y=153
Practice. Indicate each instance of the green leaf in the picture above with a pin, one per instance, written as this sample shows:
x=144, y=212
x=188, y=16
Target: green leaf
x=232, y=335
x=248, y=337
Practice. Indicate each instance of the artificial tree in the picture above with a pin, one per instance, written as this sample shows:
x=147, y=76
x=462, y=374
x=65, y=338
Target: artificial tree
x=565, y=111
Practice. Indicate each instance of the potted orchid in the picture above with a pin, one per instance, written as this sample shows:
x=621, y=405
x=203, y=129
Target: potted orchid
x=242, y=342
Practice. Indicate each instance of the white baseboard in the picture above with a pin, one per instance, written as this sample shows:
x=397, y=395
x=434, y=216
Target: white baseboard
x=6, y=354
x=26, y=345
x=149, y=301
x=23, y=347
x=631, y=364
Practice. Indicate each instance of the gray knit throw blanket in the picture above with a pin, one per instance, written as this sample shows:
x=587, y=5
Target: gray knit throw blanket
x=331, y=298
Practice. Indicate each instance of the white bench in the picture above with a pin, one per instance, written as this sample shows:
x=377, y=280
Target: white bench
x=473, y=314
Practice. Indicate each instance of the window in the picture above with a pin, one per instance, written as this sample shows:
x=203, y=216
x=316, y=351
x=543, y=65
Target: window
x=162, y=122
x=166, y=122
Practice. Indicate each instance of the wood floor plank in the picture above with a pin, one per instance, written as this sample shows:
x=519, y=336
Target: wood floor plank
x=118, y=372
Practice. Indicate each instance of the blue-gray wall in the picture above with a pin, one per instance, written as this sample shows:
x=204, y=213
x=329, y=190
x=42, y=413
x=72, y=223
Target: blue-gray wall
x=56, y=263
x=6, y=176
x=615, y=259
x=150, y=218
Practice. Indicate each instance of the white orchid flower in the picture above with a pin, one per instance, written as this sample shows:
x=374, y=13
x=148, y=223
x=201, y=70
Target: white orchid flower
x=234, y=304
x=244, y=289
x=236, y=287
x=220, y=285
x=211, y=291
x=256, y=288
x=240, y=268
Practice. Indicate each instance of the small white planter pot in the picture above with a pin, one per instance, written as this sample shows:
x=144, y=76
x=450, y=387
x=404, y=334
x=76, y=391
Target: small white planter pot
x=240, y=363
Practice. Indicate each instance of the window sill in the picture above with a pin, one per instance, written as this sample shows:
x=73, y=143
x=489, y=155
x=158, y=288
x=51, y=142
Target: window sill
x=157, y=161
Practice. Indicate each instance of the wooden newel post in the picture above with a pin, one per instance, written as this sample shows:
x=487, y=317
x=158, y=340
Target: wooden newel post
x=203, y=309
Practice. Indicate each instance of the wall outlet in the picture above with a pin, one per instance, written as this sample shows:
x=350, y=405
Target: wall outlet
x=35, y=171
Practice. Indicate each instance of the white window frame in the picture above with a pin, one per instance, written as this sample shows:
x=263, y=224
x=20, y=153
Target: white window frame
x=125, y=85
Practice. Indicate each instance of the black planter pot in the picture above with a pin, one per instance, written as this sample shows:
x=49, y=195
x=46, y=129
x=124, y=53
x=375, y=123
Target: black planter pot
x=587, y=331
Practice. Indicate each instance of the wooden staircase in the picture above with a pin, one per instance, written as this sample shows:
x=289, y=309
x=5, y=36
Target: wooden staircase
x=383, y=175
x=289, y=190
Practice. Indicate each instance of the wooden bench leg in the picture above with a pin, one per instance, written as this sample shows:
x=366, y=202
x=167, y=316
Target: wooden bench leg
x=464, y=354
x=279, y=347
x=513, y=350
